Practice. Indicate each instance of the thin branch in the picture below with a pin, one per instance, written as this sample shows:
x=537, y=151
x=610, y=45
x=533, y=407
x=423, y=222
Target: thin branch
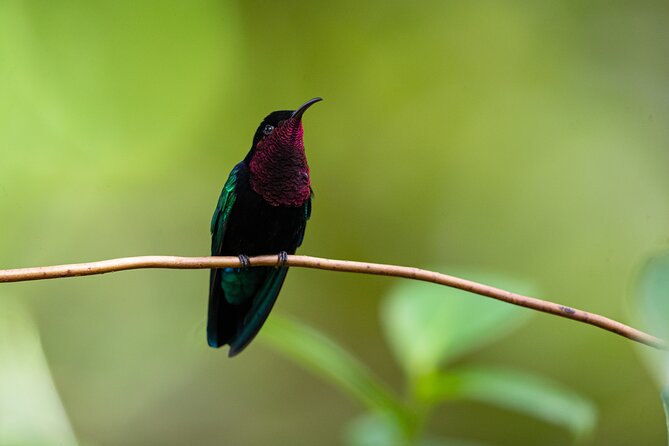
x=171, y=262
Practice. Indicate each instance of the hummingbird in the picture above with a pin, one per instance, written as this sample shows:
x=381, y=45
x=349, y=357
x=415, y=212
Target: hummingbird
x=263, y=209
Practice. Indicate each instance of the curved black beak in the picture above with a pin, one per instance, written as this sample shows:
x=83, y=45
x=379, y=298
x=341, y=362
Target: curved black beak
x=297, y=114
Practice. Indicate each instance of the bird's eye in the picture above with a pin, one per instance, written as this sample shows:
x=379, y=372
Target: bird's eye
x=268, y=129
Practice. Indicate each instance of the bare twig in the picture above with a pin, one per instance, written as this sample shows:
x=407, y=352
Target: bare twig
x=107, y=266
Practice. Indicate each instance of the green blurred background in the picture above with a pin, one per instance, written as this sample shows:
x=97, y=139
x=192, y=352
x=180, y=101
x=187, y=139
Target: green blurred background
x=528, y=138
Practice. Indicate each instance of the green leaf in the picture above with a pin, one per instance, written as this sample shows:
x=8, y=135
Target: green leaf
x=654, y=295
x=427, y=324
x=653, y=307
x=523, y=392
x=374, y=429
x=315, y=351
x=379, y=429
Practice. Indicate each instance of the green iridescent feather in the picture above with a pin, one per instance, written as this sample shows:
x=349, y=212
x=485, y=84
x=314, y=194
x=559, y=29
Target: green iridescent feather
x=224, y=207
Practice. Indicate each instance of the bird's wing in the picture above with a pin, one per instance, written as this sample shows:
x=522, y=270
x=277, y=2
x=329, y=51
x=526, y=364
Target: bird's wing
x=217, y=332
x=219, y=221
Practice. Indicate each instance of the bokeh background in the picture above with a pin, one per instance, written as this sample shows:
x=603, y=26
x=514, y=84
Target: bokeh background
x=528, y=138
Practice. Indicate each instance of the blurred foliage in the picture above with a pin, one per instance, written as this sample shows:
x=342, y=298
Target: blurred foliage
x=428, y=325
x=425, y=329
x=525, y=138
x=31, y=412
x=653, y=304
x=326, y=358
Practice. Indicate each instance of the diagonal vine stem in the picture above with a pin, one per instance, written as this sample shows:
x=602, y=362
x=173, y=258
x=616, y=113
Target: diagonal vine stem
x=173, y=262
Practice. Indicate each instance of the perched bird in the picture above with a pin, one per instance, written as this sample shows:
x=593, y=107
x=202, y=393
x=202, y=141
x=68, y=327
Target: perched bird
x=263, y=209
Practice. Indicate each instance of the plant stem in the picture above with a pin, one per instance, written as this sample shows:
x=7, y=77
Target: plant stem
x=172, y=262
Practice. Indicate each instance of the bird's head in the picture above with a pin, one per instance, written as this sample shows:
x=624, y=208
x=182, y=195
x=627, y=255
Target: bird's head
x=282, y=128
x=277, y=162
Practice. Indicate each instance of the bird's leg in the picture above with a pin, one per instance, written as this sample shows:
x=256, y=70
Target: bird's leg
x=283, y=258
x=244, y=260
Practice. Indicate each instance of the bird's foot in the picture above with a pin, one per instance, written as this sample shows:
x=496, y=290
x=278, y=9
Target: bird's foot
x=244, y=261
x=283, y=258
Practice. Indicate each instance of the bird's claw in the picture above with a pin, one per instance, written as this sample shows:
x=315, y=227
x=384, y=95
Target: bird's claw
x=244, y=261
x=283, y=258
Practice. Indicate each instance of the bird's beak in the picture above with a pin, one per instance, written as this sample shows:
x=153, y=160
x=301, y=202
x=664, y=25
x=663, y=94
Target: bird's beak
x=297, y=114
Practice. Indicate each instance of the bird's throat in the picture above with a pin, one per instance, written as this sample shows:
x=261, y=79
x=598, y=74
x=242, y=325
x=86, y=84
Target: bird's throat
x=280, y=174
